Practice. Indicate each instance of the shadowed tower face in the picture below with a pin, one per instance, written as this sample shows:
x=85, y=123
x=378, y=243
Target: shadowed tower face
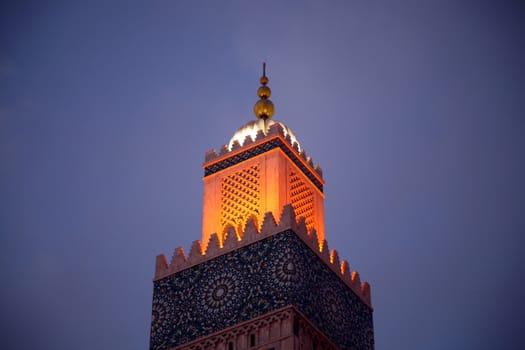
x=260, y=170
x=262, y=277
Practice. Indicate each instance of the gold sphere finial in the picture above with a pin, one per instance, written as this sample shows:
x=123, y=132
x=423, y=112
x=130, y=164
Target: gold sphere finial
x=264, y=107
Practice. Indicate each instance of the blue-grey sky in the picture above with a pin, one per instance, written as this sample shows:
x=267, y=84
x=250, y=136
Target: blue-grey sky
x=414, y=109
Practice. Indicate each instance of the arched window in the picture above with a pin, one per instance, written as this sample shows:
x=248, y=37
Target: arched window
x=252, y=340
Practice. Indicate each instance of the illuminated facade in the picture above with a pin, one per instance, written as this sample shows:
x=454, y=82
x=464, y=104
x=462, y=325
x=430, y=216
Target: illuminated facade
x=262, y=277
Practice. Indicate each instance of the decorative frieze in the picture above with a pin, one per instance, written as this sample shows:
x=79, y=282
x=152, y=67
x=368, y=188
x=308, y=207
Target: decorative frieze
x=276, y=138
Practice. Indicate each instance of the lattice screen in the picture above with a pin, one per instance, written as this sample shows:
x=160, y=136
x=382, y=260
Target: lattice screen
x=302, y=199
x=240, y=197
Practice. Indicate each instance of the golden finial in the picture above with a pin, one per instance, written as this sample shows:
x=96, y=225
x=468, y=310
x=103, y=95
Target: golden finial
x=263, y=108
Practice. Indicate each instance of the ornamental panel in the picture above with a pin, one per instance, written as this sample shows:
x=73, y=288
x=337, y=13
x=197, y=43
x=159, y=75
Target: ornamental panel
x=240, y=197
x=252, y=281
x=302, y=199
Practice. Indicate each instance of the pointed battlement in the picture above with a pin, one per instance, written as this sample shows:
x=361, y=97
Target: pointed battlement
x=276, y=130
x=251, y=234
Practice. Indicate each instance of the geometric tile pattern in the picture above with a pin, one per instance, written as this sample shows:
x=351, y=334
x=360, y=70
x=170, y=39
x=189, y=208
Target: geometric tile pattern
x=259, y=149
x=240, y=197
x=302, y=200
x=251, y=281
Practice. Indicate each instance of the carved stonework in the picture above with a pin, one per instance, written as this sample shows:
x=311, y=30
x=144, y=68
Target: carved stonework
x=302, y=199
x=282, y=329
x=240, y=197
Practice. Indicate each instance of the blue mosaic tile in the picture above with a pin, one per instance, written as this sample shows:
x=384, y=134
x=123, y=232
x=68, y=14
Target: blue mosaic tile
x=254, y=280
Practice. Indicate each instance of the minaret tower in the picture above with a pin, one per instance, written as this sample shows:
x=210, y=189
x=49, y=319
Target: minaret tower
x=261, y=169
x=262, y=277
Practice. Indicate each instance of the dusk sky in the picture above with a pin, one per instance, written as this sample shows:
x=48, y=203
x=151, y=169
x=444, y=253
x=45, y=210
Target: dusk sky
x=415, y=110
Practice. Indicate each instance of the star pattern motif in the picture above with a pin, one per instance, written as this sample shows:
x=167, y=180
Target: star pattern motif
x=252, y=281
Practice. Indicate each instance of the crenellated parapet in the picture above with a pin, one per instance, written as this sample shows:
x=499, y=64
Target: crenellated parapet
x=253, y=145
x=251, y=233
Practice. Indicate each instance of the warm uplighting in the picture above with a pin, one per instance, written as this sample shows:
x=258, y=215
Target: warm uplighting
x=261, y=177
x=240, y=198
x=253, y=127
